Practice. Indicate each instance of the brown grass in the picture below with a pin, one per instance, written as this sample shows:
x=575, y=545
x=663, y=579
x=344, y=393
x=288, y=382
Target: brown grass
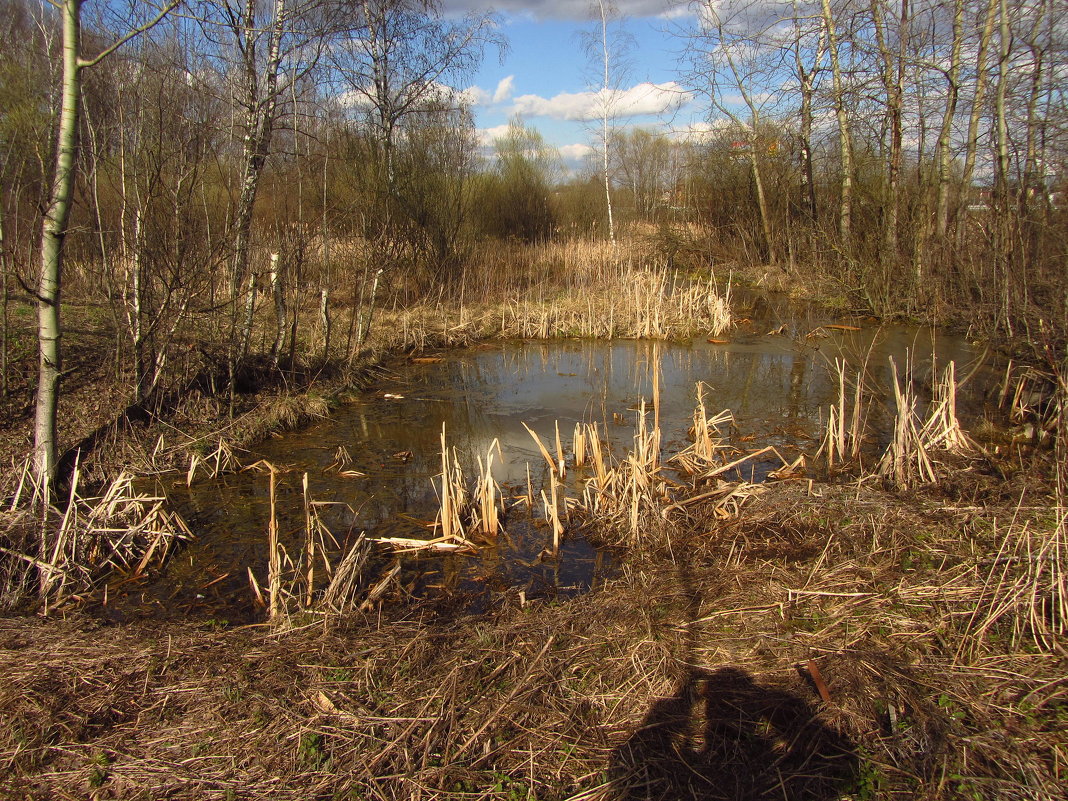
x=686, y=677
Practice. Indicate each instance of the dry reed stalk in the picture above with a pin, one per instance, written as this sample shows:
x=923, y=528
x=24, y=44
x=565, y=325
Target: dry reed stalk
x=942, y=428
x=490, y=504
x=274, y=569
x=706, y=435
x=380, y=587
x=343, y=591
x=219, y=461
x=906, y=460
x=122, y=530
x=254, y=585
x=541, y=447
x=559, y=450
x=629, y=495
x=452, y=499
x=841, y=441
x=718, y=471
x=309, y=544
x=578, y=445
x=597, y=456
x=342, y=460
x=656, y=401
x=908, y=457
x=552, y=512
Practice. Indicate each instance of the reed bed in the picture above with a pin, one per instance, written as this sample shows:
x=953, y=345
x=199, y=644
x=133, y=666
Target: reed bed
x=650, y=303
x=626, y=500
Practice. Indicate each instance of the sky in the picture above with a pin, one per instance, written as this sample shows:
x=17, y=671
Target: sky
x=547, y=78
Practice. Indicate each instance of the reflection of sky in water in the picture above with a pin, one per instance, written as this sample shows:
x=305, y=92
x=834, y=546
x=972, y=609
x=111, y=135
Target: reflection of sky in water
x=777, y=388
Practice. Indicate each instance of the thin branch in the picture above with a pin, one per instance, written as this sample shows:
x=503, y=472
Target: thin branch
x=91, y=62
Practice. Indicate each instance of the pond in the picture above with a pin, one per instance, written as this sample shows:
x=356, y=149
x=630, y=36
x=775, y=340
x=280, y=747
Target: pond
x=775, y=375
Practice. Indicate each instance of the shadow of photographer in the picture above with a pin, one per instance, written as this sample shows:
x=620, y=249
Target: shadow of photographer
x=723, y=736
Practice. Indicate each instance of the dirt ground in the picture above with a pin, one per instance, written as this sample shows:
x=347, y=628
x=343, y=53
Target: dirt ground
x=835, y=641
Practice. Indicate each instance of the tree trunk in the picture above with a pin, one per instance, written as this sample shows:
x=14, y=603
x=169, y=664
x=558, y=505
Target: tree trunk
x=604, y=118
x=946, y=131
x=279, y=310
x=845, y=143
x=980, y=94
x=806, y=79
x=324, y=320
x=53, y=232
x=260, y=110
x=1002, y=204
x=4, y=300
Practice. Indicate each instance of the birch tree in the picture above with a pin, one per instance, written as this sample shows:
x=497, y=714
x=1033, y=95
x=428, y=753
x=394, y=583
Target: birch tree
x=54, y=226
x=608, y=49
x=845, y=138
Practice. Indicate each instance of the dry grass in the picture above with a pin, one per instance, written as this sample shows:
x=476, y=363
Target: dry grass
x=685, y=677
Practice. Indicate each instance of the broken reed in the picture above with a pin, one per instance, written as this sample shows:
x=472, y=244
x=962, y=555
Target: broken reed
x=844, y=435
x=219, y=461
x=706, y=437
x=908, y=458
x=453, y=496
x=291, y=584
x=63, y=553
x=489, y=506
x=481, y=509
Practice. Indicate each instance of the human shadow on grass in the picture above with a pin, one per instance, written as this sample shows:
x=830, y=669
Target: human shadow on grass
x=723, y=736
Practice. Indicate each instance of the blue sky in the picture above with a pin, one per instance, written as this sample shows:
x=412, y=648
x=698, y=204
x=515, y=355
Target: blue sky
x=549, y=80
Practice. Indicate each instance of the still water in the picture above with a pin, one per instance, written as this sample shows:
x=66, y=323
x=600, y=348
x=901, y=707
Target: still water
x=777, y=385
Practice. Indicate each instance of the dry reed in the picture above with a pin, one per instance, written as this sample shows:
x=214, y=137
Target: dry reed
x=844, y=435
x=63, y=554
x=489, y=504
x=909, y=457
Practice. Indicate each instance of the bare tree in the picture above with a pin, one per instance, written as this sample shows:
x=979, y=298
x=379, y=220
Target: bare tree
x=845, y=138
x=54, y=227
x=739, y=59
x=608, y=47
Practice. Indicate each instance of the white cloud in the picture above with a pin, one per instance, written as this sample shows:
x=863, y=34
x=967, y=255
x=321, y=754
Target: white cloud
x=738, y=99
x=504, y=89
x=351, y=99
x=699, y=131
x=566, y=9
x=645, y=98
x=575, y=152
x=475, y=96
x=487, y=136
